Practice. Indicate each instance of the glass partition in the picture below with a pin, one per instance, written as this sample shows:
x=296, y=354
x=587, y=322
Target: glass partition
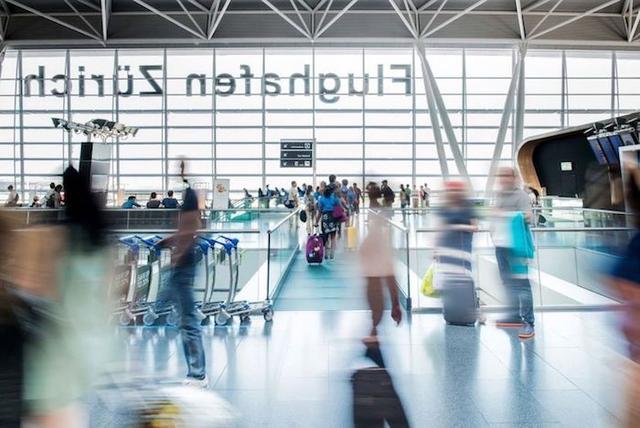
x=283, y=242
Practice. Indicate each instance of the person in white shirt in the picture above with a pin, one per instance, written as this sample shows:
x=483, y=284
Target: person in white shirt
x=292, y=199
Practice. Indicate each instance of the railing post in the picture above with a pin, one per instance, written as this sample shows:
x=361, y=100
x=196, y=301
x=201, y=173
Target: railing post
x=406, y=234
x=268, y=264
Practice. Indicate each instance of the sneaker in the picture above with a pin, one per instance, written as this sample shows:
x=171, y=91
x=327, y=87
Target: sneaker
x=196, y=383
x=509, y=323
x=526, y=332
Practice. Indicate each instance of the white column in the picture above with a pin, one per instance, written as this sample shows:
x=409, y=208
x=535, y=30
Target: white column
x=504, y=122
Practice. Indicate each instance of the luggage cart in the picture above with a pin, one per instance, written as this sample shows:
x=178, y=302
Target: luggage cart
x=231, y=308
x=132, y=280
x=208, y=306
x=160, y=277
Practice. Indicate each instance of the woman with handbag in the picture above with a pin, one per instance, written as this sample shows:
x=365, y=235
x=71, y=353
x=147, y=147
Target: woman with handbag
x=328, y=211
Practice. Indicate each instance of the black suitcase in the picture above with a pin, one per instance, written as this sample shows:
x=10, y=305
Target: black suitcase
x=459, y=299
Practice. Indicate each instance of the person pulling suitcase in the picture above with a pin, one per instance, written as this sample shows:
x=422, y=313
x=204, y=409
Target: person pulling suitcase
x=453, y=257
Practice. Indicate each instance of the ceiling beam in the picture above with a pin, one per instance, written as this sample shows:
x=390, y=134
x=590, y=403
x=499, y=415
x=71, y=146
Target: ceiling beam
x=54, y=19
x=426, y=5
x=82, y=18
x=455, y=17
x=286, y=18
x=89, y=5
x=300, y=17
x=191, y=18
x=218, y=17
x=634, y=28
x=198, y=6
x=169, y=18
x=433, y=18
x=574, y=19
x=406, y=23
x=335, y=18
x=523, y=34
x=536, y=5
x=544, y=18
x=105, y=12
x=323, y=17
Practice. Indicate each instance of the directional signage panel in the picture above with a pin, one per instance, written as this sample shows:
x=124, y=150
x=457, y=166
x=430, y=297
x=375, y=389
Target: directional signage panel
x=296, y=153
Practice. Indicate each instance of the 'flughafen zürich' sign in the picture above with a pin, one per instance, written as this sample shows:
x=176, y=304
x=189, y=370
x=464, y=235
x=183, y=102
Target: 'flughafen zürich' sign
x=147, y=83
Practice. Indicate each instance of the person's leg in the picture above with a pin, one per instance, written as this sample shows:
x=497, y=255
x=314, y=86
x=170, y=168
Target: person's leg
x=190, y=329
x=513, y=302
x=525, y=297
x=375, y=298
x=333, y=245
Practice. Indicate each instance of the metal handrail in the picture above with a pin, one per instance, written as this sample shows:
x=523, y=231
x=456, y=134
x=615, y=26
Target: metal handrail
x=545, y=229
x=281, y=222
x=166, y=231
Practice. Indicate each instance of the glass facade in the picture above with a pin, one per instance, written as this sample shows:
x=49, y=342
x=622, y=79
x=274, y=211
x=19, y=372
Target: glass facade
x=226, y=110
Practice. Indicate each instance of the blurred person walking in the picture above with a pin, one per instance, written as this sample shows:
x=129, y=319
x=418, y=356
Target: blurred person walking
x=513, y=213
x=376, y=262
x=454, y=257
x=624, y=279
x=69, y=344
x=180, y=290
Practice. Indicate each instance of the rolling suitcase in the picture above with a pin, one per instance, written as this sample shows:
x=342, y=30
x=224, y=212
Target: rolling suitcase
x=352, y=238
x=314, y=249
x=459, y=299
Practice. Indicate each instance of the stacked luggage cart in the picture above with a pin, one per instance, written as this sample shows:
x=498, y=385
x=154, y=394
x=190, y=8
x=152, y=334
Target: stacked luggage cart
x=143, y=275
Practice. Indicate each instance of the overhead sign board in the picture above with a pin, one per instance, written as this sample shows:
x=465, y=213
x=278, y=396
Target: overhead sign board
x=296, y=153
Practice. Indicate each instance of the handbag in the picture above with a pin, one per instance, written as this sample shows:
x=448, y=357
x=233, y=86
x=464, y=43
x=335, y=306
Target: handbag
x=303, y=216
x=338, y=213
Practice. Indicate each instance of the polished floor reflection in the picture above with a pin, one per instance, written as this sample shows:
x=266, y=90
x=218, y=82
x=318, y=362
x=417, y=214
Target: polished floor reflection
x=298, y=370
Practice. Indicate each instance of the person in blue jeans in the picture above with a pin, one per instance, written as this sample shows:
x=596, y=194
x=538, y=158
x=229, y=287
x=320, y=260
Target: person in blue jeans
x=180, y=290
x=513, y=273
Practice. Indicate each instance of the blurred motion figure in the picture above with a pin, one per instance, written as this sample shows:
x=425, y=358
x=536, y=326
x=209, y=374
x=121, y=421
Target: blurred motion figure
x=510, y=227
x=624, y=278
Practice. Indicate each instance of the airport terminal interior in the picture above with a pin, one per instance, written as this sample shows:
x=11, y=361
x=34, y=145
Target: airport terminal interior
x=319, y=213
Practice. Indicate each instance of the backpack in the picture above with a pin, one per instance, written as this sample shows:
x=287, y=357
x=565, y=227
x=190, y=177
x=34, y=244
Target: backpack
x=51, y=201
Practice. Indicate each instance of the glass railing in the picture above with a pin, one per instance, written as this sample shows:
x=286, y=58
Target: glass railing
x=283, y=243
x=566, y=271
x=152, y=219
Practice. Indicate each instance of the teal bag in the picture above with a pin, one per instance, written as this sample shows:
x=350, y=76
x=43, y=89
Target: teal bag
x=521, y=239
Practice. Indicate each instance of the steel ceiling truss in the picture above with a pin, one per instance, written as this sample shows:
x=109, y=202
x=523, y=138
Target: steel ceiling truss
x=422, y=19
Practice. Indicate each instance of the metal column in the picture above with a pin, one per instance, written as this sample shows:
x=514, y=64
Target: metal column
x=442, y=109
x=504, y=122
x=433, y=114
x=520, y=107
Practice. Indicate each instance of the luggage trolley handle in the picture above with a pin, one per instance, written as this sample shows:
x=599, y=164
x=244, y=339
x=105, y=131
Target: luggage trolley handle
x=228, y=247
x=234, y=242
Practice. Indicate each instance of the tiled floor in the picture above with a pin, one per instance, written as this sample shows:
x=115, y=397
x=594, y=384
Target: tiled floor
x=296, y=371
